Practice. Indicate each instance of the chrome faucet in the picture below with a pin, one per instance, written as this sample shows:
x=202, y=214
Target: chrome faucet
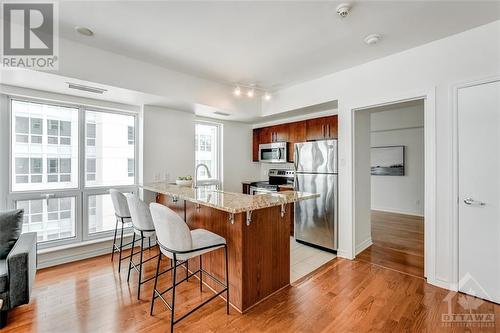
x=196, y=173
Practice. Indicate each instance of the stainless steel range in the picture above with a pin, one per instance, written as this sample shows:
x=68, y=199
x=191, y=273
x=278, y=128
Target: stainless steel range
x=277, y=177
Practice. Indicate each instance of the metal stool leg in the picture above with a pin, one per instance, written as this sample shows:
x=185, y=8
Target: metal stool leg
x=173, y=296
x=114, y=240
x=140, y=269
x=156, y=283
x=121, y=249
x=227, y=281
x=201, y=275
x=131, y=256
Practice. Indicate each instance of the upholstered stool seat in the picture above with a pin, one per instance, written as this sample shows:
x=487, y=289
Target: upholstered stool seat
x=178, y=243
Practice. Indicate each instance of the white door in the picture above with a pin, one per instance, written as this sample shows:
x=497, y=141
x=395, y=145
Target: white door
x=479, y=190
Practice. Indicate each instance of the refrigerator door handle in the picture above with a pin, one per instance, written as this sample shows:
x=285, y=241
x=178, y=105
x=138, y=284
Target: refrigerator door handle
x=295, y=157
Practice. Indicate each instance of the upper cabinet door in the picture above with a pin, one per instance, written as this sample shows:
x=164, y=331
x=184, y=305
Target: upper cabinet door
x=255, y=144
x=266, y=135
x=331, y=127
x=315, y=129
x=280, y=133
x=296, y=133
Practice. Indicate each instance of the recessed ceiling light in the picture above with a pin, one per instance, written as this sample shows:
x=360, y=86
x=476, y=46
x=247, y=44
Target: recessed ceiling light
x=372, y=39
x=84, y=31
x=267, y=96
x=250, y=92
x=237, y=91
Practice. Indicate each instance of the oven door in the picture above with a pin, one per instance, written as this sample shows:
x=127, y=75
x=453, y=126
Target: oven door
x=273, y=152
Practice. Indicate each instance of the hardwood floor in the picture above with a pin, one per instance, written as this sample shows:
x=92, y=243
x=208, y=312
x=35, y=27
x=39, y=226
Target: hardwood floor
x=398, y=243
x=342, y=296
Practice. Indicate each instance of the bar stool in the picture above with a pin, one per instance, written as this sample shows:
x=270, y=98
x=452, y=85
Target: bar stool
x=143, y=227
x=122, y=214
x=177, y=242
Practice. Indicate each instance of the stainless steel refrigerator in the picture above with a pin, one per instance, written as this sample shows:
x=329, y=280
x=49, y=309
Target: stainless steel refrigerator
x=316, y=220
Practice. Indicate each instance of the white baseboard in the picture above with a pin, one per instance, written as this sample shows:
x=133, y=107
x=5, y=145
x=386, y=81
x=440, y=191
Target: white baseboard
x=344, y=254
x=78, y=252
x=395, y=211
x=363, y=245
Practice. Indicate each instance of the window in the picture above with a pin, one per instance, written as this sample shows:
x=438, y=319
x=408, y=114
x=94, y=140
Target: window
x=52, y=219
x=110, y=149
x=44, y=159
x=101, y=213
x=91, y=134
x=91, y=168
x=130, y=134
x=131, y=167
x=207, y=150
x=45, y=179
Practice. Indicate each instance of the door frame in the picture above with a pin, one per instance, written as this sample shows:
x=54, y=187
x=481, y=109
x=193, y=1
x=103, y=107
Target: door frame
x=430, y=171
x=455, y=196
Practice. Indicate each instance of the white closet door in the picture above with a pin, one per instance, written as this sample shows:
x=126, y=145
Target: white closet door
x=479, y=190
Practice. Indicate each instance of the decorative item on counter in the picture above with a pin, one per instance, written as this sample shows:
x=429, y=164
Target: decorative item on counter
x=186, y=181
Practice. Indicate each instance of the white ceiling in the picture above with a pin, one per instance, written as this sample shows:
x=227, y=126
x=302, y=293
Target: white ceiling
x=271, y=43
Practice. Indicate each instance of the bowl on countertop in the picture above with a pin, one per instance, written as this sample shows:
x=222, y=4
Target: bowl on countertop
x=185, y=183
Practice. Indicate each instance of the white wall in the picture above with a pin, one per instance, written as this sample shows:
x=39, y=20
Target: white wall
x=237, y=156
x=402, y=194
x=168, y=146
x=362, y=234
x=432, y=68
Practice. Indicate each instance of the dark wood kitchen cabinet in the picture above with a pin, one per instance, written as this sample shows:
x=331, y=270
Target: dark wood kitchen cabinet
x=280, y=132
x=322, y=128
x=266, y=135
x=308, y=130
x=255, y=144
x=296, y=133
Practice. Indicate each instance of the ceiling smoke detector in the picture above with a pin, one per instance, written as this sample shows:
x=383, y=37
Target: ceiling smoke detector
x=343, y=9
x=372, y=39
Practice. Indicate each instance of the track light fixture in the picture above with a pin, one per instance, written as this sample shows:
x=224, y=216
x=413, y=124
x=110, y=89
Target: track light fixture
x=251, y=91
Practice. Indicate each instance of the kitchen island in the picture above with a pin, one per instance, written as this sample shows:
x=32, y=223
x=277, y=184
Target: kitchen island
x=256, y=229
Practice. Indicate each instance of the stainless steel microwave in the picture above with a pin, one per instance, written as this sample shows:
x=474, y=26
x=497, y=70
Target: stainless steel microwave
x=275, y=152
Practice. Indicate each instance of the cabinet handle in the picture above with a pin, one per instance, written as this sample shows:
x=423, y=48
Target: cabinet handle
x=323, y=130
x=329, y=131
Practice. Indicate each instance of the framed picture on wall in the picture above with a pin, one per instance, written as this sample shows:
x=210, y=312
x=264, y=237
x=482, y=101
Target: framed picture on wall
x=388, y=161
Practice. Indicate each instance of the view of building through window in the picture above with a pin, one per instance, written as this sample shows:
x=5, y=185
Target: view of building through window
x=44, y=146
x=45, y=158
x=207, y=149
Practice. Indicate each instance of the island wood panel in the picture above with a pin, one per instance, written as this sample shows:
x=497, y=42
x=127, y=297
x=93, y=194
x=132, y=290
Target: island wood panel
x=217, y=222
x=259, y=254
x=266, y=246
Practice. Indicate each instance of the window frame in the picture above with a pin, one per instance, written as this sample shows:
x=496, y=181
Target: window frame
x=218, y=146
x=80, y=192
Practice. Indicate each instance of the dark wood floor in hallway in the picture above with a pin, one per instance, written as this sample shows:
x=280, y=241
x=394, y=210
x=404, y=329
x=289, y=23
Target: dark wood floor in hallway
x=398, y=243
x=342, y=296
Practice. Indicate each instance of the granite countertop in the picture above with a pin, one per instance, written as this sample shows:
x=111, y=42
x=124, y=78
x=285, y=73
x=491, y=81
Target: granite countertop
x=227, y=201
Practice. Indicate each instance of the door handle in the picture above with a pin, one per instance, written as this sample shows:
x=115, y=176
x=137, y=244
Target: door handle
x=470, y=202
